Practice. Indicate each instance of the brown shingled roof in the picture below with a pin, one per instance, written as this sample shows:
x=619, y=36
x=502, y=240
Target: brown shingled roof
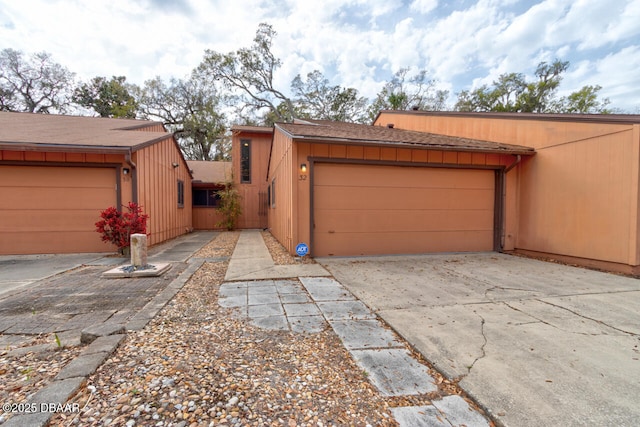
x=210, y=172
x=45, y=131
x=254, y=129
x=339, y=132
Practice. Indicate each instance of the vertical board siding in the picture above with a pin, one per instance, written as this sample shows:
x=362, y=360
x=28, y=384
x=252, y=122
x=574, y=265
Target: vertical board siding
x=578, y=196
x=252, y=213
x=291, y=223
x=281, y=169
x=158, y=190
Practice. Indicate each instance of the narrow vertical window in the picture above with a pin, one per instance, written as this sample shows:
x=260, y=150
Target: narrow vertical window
x=273, y=193
x=180, y=194
x=245, y=161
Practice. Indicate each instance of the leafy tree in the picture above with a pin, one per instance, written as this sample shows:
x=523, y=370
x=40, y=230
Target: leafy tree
x=513, y=93
x=35, y=84
x=190, y=109
x=108, y=98
x=405, y=92
x=316, y=98
x=583, y=101
x=249, y=72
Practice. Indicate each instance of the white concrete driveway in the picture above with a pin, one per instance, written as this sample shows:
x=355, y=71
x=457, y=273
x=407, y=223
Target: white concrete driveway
x=535, y=343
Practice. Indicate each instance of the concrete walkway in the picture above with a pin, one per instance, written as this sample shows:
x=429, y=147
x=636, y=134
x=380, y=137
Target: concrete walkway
x=314, y=301
x=251, y=261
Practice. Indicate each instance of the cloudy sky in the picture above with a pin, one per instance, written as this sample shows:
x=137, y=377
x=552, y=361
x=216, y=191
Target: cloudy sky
x=355, y=43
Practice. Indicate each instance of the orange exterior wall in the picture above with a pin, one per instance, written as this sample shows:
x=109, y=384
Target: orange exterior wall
x=158, y=190
x=35, y=158
x=253, y=214
x=206, y=218
x=156, y=187
x=578, y=196
x=289, y=221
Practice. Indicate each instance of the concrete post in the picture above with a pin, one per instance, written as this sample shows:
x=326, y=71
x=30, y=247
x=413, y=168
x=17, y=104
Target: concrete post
x=138, y=250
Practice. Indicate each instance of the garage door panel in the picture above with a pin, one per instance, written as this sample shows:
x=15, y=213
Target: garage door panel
x=403, y=198
x=350, y=244
x=43, y=198
x=343, y=221
x=53, y=209
x=54, y=176
x=389, y=176
x=32, y=221
x=373, y=209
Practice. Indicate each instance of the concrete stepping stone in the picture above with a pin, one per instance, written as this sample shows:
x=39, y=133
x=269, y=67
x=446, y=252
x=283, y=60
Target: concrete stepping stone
x=305, y=309
x=307, y=324
x=395, y=372
x=364, y=334
x=326, y=289
x=274, y=323
x=450, y=410
x=345, y=310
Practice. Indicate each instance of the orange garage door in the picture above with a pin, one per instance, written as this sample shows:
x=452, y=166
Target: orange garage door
x=46, y=209
x=371, y=209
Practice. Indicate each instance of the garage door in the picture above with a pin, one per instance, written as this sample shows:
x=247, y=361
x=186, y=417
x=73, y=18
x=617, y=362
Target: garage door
x=46, y=209
x=372, y=209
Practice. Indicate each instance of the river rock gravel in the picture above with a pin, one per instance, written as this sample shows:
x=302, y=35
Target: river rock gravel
x=198, y=364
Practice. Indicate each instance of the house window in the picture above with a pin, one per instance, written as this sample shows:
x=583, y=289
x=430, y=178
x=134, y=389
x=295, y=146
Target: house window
x=180, y=194
x=205, y=198
x=245, y=161
x=272, y=194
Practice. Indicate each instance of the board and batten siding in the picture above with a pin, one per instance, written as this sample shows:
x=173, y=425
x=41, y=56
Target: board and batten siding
x=289, y=220
x=579, y=196
x=283, y=219
x=158, y=190
x=253, y=194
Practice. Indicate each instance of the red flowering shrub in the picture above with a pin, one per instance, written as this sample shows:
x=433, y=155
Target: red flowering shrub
x=116, y=227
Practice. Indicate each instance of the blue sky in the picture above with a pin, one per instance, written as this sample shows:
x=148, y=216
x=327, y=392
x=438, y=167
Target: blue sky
x=355, y=43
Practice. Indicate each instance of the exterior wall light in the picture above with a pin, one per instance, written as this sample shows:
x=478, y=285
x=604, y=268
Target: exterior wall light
x=303, y=168
x=125, y=171
x=175, y=165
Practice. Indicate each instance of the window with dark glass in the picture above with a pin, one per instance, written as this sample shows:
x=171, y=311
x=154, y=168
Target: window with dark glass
x=180, y=194
x=208, y=198
x=245, y=161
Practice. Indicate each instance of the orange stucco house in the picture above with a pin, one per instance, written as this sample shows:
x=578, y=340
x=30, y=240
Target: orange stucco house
x=58, y=172
x=560, y=186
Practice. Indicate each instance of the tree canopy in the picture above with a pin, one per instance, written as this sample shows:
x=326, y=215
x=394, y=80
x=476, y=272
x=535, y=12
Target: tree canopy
x=191, y=109
x=239, y=87
x=108, y=98
x=513, y=93
x=35, y=84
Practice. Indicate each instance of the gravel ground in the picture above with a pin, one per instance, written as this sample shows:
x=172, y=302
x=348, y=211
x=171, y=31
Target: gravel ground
x=280, y=255
x=29, y=365
x=197, y=364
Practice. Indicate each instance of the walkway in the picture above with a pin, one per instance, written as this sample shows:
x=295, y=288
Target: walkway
x=314, y=301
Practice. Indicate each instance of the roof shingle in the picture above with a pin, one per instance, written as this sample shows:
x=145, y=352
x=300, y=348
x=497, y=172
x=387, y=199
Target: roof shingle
x=340, y=132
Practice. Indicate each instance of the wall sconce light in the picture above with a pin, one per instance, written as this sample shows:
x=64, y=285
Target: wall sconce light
x=175, y=165
x=303, y=168
x=125, y=171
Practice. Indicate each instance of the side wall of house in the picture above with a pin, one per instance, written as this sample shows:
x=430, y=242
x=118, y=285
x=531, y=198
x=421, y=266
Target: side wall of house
x=157, y=184
x=254, y=193
x=283, y=209
x=578, y=196
x=290, y=220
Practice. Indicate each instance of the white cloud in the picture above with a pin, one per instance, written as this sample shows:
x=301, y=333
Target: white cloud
x=423, y=6
x=363, y=42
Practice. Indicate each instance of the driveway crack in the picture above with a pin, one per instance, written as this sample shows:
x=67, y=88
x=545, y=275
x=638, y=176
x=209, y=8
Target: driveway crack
x=482, y=347
x=600, y=322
